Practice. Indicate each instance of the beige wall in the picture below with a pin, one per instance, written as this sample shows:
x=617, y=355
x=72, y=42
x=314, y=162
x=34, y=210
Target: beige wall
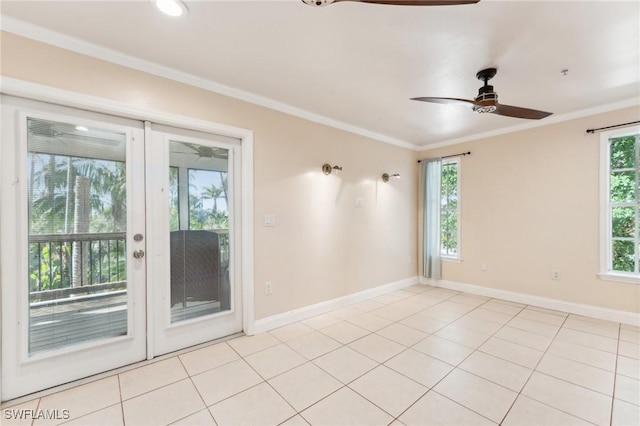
x=529, y=199
x=530, y=204
x=323, y=247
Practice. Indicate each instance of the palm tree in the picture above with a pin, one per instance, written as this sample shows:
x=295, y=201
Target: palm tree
x=213, y=193
x=55, y=206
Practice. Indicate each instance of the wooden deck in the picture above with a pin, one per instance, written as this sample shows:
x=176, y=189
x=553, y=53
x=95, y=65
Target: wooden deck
x=99, y=316
x=53, y=326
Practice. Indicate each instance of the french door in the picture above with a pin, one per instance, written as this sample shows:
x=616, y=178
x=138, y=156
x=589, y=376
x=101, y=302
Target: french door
x=117, y=242
x=193, y=266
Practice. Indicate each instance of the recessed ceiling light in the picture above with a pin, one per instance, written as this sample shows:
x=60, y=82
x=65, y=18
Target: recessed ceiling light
x=171, y=7
x=82, y=128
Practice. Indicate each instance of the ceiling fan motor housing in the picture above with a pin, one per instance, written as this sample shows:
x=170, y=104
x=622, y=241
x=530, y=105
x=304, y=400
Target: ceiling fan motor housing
x=488, y=98
x=486, y=95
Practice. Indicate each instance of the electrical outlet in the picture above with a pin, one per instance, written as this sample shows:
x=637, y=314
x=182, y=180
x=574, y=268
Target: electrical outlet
x=555, y=275
x=268, y=288
x=484, y=266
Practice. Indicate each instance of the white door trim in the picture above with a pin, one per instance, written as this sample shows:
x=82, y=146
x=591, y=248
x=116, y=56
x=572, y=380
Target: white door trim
x=38, y=92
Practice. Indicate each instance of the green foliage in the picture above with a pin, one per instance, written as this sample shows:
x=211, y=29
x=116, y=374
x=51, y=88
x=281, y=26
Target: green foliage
x=449, y=209
x=623, y=256
x=624, y=221
x=624, y=186
x=174, y=203
x=52, y=211
x=49, y=266
x=107, y=262
x=201, y=218
x=622, y=152
x=52, y=193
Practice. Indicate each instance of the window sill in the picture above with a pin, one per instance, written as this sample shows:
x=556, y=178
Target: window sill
x=621, y=278
x=451, y=259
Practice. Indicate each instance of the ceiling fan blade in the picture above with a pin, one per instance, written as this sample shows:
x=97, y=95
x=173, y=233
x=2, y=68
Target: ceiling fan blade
x=395, y=2
x=448, y=101
x=517, y=112
x=415, y=2
x=190, y=145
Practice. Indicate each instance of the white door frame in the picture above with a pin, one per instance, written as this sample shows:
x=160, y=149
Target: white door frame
x=38, y=92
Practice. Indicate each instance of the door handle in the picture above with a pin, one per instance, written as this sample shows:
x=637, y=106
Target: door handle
x=138, y=254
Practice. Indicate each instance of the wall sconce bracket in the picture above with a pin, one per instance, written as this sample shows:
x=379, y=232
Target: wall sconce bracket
x=387, y=176
x=327, y=169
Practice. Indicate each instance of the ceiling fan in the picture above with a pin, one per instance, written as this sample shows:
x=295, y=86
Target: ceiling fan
x=205, y=151
x=487, y=101
x=395, y=2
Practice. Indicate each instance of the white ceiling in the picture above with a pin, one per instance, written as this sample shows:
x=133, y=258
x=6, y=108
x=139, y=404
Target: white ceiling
x=358, y=64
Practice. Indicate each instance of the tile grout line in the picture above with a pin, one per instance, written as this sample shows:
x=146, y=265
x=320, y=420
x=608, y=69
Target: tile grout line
x=153, y=389
x=615, y=377
x=121, y=402
x=378, y=364
x=33, y=421
x=369, y=332
x=534, y=370
x=70, y=419
x=197, y=391
x=432, y=388
x=113, y=372
x=346, y=385
x=264, y=380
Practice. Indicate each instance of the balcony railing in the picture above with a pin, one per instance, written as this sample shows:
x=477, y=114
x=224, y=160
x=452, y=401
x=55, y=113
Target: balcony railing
x=64, y=264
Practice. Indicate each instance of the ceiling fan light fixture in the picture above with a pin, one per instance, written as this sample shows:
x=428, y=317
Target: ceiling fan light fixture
x=317, y=3
x=485, y=109
x=174, y=8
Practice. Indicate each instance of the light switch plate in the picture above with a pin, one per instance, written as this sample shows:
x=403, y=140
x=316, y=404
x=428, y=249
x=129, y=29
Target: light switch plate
x=270, y=220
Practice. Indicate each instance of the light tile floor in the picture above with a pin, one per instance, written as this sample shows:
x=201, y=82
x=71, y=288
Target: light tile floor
x=417, y=356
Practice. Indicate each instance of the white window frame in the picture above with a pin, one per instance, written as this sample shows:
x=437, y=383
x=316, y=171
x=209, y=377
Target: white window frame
x=606, y=255
x=457, y=258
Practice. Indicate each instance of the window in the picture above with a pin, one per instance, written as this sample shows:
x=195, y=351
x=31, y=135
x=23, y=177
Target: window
x=450, y=209
x=620, y=214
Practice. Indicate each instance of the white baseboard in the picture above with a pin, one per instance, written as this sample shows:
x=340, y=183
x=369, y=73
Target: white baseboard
x=542, y=302
x=275, y=321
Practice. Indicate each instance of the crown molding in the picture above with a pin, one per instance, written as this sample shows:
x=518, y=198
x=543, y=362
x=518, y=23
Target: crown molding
x=54, y=38
x=554, y=119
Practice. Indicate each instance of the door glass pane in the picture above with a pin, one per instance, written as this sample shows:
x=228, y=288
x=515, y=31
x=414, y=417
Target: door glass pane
x=77, y=270
x=200, y=244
